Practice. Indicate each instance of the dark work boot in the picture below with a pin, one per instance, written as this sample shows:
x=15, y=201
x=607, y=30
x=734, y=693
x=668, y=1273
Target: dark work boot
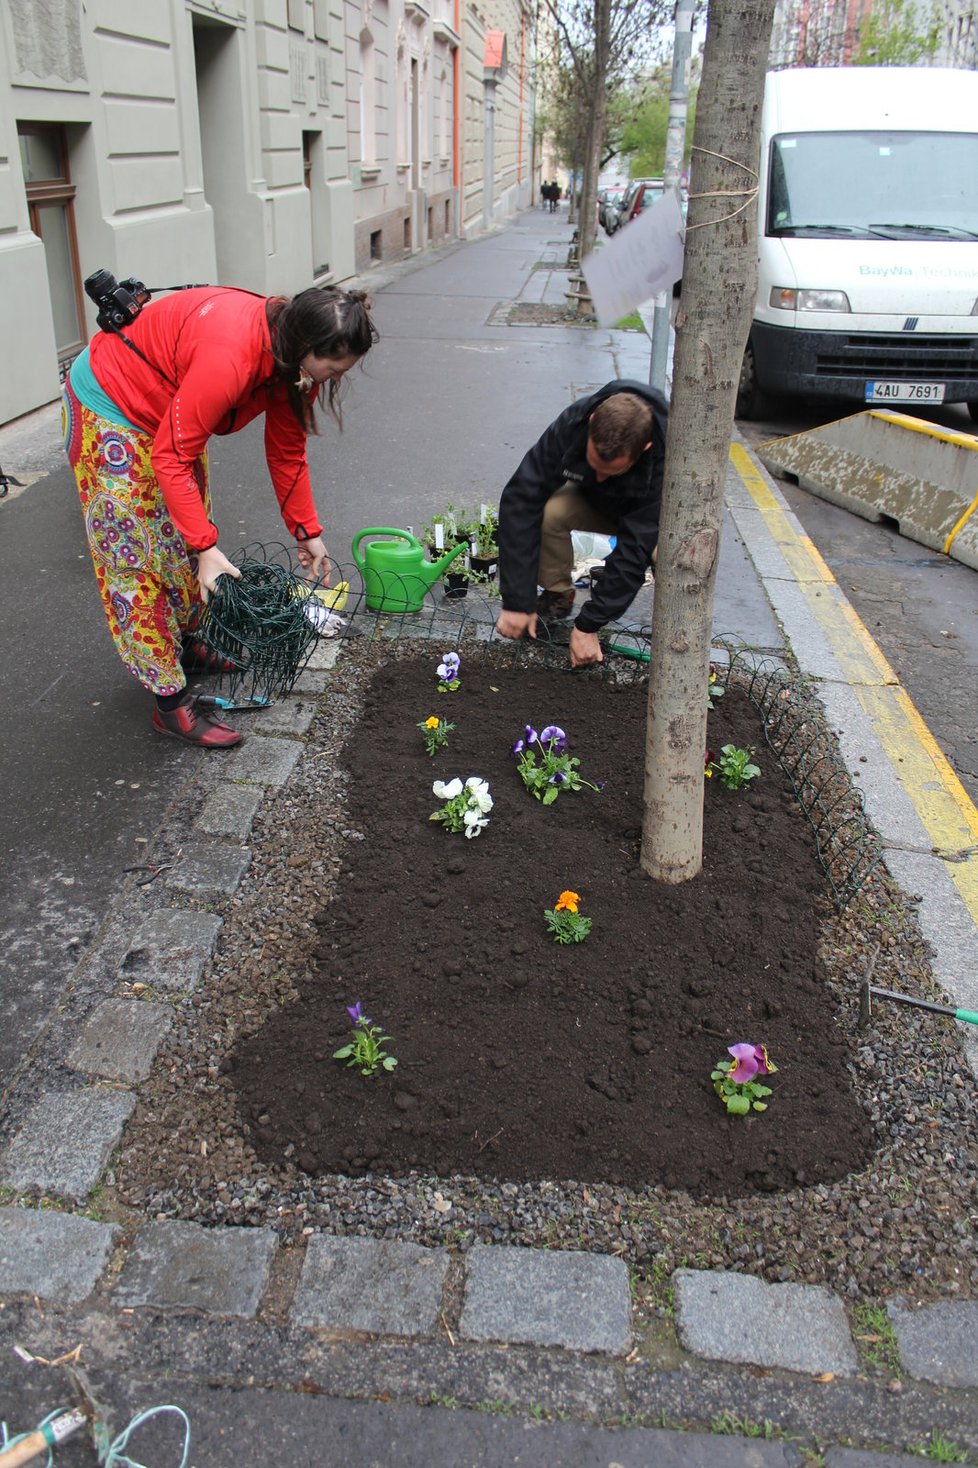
x=555, y=606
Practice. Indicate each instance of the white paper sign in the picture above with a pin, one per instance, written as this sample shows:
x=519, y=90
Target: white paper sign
x=638, y=262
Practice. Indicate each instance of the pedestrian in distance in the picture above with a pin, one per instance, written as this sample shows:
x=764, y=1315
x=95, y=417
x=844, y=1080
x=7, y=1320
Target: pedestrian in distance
x=598, y=467
x=545, y=194
x=554, y=196
x=141, y=403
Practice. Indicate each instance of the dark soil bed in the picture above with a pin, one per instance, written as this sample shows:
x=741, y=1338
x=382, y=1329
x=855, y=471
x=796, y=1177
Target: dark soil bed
x=523, y=1059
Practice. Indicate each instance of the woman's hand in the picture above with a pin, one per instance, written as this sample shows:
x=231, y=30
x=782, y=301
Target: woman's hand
x=314, y=559
x=212, y=563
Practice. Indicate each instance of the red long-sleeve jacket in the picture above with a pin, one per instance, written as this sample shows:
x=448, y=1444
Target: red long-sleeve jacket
x=209, y=369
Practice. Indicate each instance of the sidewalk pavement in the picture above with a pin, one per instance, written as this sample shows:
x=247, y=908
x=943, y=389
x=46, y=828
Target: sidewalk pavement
x=326, y=1355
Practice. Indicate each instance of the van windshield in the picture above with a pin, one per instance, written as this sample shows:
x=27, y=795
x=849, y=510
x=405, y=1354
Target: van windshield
x=869, y=185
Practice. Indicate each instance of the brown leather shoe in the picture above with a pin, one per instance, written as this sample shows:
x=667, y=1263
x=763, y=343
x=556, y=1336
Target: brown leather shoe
x=555, y=606
x=186, y=722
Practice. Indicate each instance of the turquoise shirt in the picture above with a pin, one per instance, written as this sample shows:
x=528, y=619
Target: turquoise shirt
x=88, y=391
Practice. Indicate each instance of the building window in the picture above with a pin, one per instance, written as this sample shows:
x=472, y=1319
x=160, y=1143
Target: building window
x=51, y=202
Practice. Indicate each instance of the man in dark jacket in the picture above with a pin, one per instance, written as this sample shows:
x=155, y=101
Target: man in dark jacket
x=597, y=467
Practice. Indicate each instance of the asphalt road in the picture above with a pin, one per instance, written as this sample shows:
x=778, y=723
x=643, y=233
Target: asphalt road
x=920, y=607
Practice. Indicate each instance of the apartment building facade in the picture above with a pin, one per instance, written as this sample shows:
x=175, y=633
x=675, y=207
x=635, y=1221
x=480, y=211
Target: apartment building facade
x=268, y=144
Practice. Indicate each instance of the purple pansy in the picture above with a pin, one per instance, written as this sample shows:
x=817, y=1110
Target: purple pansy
x=555, y=737
x=751, y=1061
x=517, y=749
x=355, y=1011
x=530, y=734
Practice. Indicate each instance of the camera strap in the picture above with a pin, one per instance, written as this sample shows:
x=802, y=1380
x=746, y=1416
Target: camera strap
x=133, y=348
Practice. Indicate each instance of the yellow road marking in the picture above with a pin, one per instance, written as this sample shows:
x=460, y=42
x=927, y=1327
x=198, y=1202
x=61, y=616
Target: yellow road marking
x=939, y=798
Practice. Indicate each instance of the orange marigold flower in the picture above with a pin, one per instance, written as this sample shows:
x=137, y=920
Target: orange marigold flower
x=432, y=723
x=568, y=900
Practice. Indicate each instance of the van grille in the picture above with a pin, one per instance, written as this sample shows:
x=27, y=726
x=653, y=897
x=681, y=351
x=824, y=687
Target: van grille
x=902, y=358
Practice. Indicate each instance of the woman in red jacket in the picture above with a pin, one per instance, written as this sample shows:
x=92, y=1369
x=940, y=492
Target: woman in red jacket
x=139, y=407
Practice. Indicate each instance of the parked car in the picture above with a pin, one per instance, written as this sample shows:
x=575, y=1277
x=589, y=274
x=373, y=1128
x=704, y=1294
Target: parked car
x=608, y=199
x=641, y=194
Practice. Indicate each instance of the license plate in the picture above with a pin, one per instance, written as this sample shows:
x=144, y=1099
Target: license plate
x=904, y=392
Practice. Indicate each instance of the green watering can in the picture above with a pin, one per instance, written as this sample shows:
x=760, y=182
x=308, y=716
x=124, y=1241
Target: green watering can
x=396, y=575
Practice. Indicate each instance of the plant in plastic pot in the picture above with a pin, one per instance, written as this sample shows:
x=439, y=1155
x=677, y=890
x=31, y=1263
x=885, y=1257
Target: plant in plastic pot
x=444, y=531
x=483, y=540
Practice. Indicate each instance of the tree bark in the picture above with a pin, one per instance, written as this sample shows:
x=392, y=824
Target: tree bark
x=712, y=324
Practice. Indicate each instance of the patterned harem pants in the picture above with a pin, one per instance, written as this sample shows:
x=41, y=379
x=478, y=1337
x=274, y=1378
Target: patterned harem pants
x=146, y=577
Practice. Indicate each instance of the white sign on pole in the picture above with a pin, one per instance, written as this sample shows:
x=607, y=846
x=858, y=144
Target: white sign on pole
x=637, y=262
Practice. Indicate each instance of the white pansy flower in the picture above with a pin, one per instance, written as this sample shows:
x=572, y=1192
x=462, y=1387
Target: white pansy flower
x=449, y=791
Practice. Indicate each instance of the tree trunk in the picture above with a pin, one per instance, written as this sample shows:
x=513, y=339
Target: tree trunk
x=712, y=323
x=587, y=227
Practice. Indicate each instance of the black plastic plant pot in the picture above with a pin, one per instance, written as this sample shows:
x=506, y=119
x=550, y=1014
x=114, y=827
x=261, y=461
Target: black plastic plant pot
x=484, y=567
x=456, y=585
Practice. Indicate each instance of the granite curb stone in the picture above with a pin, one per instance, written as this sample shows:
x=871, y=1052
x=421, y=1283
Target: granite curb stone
x=55, y=1256
x=229, y=810
x=183, y=1265
x=288, y=716
x=119, y=1040
x=65, y=1141
x=171, y=949
x=540, y=1298
x=372, y=1285
x=795, y=1327
x=209, y=869
x=264, y=760
x=938, y=1343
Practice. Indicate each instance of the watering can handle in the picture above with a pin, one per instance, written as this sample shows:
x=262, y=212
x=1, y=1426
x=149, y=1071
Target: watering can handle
x=381, y=530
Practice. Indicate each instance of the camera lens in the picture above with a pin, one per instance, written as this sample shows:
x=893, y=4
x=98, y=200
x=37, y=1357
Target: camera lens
x=100, y=283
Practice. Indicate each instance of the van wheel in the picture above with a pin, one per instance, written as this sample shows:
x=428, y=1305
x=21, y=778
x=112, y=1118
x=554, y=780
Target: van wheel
x=972, y=408
x=751, y=402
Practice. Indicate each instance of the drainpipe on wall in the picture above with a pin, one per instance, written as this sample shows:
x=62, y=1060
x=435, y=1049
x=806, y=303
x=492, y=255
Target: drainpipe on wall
x=456, y=104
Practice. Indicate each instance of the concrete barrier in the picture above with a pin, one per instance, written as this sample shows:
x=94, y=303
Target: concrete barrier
x=888, y=466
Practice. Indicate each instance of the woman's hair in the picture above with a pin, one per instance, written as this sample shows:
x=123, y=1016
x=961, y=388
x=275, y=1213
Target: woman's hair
x=620, y=425
x=329, y=323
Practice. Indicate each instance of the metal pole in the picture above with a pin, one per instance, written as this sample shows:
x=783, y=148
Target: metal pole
x=675, y=142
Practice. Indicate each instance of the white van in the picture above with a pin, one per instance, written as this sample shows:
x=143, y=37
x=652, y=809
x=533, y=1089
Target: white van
x=867, y=238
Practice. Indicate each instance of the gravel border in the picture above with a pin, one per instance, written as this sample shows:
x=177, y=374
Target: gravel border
x=904, y=1227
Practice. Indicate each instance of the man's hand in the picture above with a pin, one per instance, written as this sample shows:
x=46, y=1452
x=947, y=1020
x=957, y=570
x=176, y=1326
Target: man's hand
x=212, y=563
x=314, y=558
x=585, y=648
x=514, y=624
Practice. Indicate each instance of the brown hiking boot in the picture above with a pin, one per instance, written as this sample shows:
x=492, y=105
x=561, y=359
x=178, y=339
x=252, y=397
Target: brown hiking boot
x=555, y=606
x=186, y=722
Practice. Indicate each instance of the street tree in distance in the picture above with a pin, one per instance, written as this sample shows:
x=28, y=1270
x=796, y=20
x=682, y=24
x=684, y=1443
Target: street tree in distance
x=712, y=325
x=601, y=40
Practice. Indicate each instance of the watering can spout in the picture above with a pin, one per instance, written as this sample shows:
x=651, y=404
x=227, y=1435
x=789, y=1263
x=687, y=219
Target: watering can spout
x=396, y=574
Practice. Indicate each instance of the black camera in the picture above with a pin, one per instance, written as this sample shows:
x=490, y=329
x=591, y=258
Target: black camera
x=119, y=302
